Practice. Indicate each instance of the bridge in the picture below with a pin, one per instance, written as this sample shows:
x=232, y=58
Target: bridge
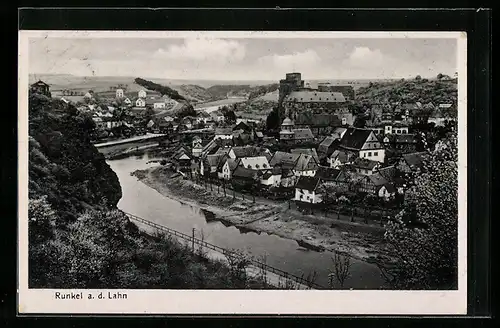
x=148, y=136
x=273, y=276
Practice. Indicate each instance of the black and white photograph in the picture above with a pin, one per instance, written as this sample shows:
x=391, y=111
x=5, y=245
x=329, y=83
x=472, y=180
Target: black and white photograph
x=287, y=162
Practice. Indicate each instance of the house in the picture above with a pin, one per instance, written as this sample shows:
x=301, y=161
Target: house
x=188, y=121
x=214, y=145
x=182, y=161
x=249, y=151
x=142, y=94
x=411, y=162
x=119, y=93
x=306, y=190
x=402, y=143
x=287, y=179
x=340, y=158
x=363, y=143
x=217, y=117
x=284, y=159
x=228, y=167
x=244, y=178
x=365, y=166
x=319, y=123
x=255, y=163
x=308, y=151
x=197, y=147
x=377, y=184
x=140, y=102
x=223, y=133
x=332, y=177
x=328, y=146
x=339, y=132
x=305, y=165
x=209, y=164
x=303, y=135
x=272, y=177
x=127, y=101
x=41, y=88
x=243, y=126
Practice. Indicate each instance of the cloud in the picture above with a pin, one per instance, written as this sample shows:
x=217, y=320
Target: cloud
x=295, y=61
x=204, y=50
x=365, y=57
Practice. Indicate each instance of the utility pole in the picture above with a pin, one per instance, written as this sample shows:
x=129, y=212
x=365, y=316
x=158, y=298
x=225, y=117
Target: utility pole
x=193, y=241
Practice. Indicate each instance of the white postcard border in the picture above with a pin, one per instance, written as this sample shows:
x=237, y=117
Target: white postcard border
x=355, y=302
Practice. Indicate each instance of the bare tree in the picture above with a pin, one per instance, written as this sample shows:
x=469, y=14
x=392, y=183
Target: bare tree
x=340, y=270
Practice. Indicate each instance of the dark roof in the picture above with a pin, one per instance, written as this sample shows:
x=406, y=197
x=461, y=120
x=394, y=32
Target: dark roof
x=388, y=172
x=243, y=126
x=390, y=187
x=364, y=163
x=414, y=159
x=341, y=155
x=317, y=120
x=243, y=172
x=327, y=174
x=213, y=160
x=267, y=175
x=326, y=144
x=285, y=159
x=354, y=138
x=308, y=151
x=245, y=151
x=306, y=162
x=223, y=131
x=302, y=134
x=377, y=179
x=307, y=183
x=40, y=82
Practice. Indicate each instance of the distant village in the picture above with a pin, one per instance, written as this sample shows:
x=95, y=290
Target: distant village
x=316, y=158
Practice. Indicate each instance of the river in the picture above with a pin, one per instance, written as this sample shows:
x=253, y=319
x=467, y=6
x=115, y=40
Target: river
x=285, y=254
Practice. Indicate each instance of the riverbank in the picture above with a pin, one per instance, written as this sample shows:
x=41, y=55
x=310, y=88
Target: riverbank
x=357, y=240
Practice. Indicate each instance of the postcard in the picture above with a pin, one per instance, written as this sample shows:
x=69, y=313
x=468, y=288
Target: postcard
x=221, y=172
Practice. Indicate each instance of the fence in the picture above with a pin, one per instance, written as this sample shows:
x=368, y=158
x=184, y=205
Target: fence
x=226, y=252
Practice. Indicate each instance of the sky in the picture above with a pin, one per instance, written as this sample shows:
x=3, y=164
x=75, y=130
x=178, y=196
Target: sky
x=244, y=58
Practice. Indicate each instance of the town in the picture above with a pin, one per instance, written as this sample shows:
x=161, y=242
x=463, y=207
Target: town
x=328, y=151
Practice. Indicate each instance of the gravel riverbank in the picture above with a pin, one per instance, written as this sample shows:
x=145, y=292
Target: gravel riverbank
x=357, y=240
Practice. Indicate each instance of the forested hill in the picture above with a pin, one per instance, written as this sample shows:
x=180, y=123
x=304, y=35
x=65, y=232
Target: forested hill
x=64, y=165
x=410, y=91
x=164, y=90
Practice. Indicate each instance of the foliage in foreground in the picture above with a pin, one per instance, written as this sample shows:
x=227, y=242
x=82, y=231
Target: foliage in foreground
x=424, y=235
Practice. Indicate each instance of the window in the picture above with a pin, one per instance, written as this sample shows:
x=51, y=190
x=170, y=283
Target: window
x=249, y=166
x=369, y=154
x=264, y=165
x=307, y=197
x=256, y=166
x=375, y=153
x=364, y=154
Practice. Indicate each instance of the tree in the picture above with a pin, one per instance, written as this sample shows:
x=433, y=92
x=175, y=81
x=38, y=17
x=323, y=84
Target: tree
x=229, y=116
x=273, y=120
x=424, y=234
x=341, y=269
x=440, y=76
x=418, y=78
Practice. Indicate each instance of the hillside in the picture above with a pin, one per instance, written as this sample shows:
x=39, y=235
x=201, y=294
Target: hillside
x=193, y=92
x=409, y=91
x=77, y=236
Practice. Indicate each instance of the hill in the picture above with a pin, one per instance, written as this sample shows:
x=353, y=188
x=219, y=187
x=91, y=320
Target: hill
x=193, y=92
x=410, y=91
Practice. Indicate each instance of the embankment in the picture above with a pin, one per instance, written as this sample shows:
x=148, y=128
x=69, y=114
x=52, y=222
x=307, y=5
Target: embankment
x=359, y=241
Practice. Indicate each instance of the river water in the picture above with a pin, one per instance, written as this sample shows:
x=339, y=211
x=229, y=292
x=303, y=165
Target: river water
x=284, y=254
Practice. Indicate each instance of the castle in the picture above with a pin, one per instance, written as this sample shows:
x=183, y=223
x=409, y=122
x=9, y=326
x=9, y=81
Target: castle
x=308, y=107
